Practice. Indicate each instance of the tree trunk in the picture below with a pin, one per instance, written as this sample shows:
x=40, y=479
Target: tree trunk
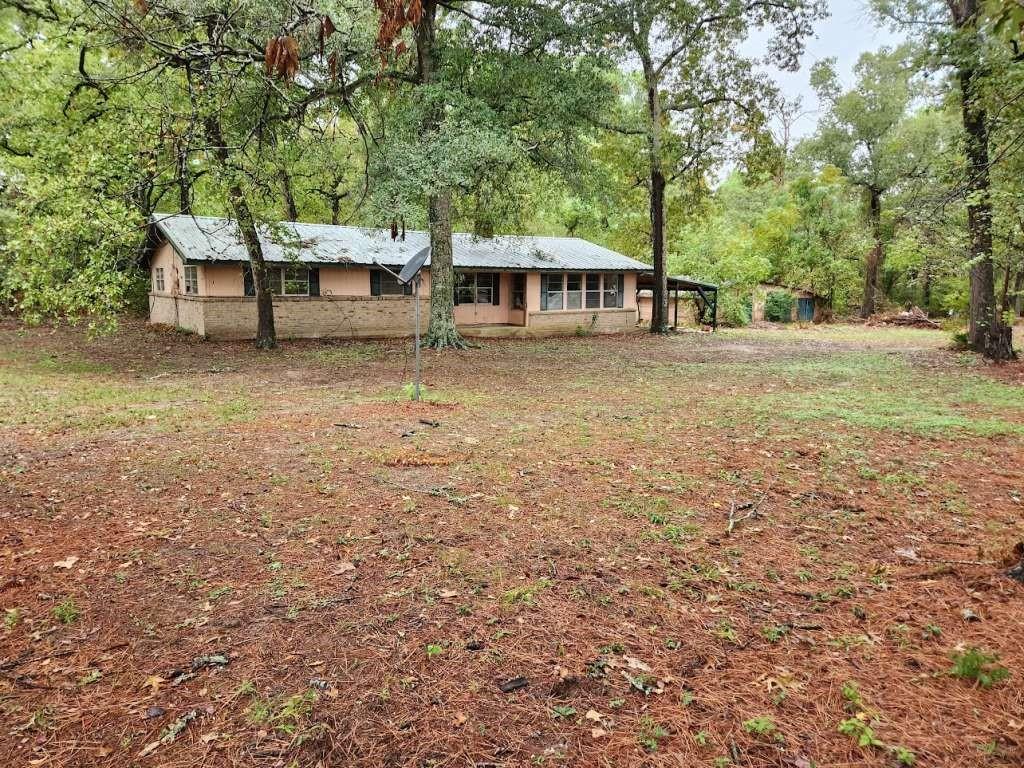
x=926, y=288
x=291, y=210
x=184, y=180
x=266, y=336
x=1018, y=293
x=874, y=260
x=335, y=210
x=441, y=331
x=659, y=302
x=986, y=332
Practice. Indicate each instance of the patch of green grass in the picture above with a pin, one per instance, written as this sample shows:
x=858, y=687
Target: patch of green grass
x=351, y=353
x=525, y=594
x=651, y=734
x=761, y=726
x=66, y=612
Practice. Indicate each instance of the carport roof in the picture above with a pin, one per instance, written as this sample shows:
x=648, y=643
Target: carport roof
x=208, y=239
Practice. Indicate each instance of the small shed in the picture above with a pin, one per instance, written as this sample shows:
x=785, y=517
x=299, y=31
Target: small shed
x=775, y=302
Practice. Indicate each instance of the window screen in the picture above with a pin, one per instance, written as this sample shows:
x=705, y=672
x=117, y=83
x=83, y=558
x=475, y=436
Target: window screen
x=593, y=291
x=551, y=287
x=573, y=291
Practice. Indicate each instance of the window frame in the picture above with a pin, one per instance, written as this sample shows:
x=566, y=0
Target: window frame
x=381, y=279
x=591, y=294
x=546, y=293
x=159, y=284
x=190, y=280
x=282, y=280
x=610, y=285
x=517, y=291
x=467, y=288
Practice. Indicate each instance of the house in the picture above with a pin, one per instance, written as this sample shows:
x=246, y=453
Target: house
x=768, y=300
x=328, y=282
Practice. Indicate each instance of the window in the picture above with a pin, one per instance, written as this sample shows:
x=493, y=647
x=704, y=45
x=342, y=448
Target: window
x=477, y=288
x=292, y=280
x=573, y=291
x=158, y=279
x=191, y=280
x=576, y=291
x=485, y=287
x=551, y=287
x=383, y=283
x=519, y=291
x=614, y=287
x=593, y=291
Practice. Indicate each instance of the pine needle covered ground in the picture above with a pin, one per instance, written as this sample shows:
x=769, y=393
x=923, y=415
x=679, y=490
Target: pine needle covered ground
x=213, y=556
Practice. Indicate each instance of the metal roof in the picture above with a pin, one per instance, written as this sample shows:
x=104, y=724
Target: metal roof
x=645, y=281
x=206, y=239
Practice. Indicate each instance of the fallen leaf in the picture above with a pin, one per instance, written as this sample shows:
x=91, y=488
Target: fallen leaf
x=344, y=567
x=593, y=714
x=459, y=718
x=598, y=733
x=206, y=738
x=445, y=594
x=153, y=682
x=636, y=664
x=68, y=562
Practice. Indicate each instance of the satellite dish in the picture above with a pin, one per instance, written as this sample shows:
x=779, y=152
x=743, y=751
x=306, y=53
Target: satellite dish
x=413, y=266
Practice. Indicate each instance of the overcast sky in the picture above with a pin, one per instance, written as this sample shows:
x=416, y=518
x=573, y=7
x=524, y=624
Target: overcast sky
x=846, y=34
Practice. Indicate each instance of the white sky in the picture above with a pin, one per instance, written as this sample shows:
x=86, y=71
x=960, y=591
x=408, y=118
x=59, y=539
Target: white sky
x=848, y=32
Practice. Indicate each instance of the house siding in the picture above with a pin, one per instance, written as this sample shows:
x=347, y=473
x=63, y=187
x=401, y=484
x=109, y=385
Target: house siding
x=345, y=308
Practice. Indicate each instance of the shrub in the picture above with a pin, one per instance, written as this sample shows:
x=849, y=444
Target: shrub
x=778, y=306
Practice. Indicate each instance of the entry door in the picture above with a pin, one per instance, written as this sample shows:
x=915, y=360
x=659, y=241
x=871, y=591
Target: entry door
x=805, y=310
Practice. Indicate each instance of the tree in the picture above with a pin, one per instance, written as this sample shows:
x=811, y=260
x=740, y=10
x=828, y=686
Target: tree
x=955, y=36
x=493, y=88
x=695, y=86
x=868, y=133
x=78, y=175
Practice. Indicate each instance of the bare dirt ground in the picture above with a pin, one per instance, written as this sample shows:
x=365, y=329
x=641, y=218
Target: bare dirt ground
x=211, y=556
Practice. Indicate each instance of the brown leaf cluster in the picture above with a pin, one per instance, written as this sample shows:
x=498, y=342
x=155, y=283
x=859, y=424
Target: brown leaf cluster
x=394, y=18
x=282, y=57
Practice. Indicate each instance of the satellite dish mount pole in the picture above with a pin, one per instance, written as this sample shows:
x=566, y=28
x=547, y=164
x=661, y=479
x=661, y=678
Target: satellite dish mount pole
x=412, y=273
x=416, y=301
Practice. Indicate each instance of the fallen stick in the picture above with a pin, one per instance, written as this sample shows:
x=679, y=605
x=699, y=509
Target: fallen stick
x=753, y=506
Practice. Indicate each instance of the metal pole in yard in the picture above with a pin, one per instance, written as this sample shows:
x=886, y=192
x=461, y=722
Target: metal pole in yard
x=416, y=292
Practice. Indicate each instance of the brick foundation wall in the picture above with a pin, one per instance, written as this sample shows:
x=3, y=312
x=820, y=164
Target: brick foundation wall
x=607, y=321
x=330, y=317
x=320, y=317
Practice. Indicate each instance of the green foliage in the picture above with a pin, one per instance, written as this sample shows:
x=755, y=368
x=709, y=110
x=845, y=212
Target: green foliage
x=760, y=726
x=651, y=734
x=778, y=306
x=978, y=666
x=66, y=612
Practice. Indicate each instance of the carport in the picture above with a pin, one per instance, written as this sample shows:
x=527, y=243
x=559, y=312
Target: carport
x=705, y=295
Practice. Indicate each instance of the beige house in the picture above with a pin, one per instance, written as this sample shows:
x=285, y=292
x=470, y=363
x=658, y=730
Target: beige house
x=329, y=282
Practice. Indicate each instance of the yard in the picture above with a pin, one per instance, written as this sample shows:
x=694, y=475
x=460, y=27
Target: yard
x=213, y=556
